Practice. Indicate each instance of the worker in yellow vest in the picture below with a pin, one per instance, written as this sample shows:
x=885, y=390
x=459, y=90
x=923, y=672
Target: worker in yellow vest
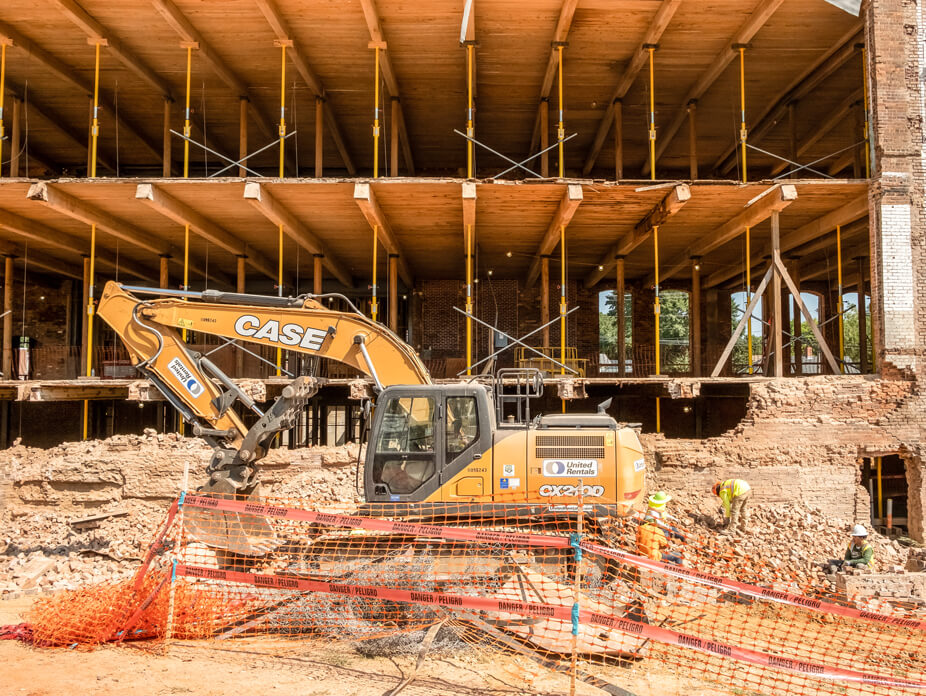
x=734, y=494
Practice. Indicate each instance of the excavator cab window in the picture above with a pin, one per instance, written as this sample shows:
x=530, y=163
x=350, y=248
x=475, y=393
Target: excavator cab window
x=462, y=424
x=404, y=456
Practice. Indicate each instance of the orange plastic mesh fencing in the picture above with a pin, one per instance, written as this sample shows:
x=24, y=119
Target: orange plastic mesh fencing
x=581, y=594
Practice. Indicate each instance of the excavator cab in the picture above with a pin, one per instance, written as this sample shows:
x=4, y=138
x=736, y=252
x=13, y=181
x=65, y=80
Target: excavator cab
x=423, y=436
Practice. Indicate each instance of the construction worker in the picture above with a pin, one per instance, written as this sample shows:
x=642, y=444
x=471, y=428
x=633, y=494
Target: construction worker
x=734, y=494
x=653, y=534
x=859, y=553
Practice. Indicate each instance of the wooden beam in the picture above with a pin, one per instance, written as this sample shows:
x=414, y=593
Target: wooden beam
x=242, y=136
x=64, y=72
x=168, y=206
x=369, y=206
x=393, y=293
x=666, y=208
x=36, y=231
x=777, y=200
x=652, y=36
x=836, y=118
x=618, y=119
x=188, y=33
x=166, y=141
x=15, y=139
x=283, y=32
x=94, y=30
x=803, y=85
x=568, y=206
x=62, y=202
x=260, y=197
x=560, y=34
x=389, y=77
x=760, y=15
x=317, y=276
x=813, y=230
x=692, y=141
x=694, y=312
x=319, y=137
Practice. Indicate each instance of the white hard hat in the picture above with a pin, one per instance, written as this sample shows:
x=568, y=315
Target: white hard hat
x=859, y=531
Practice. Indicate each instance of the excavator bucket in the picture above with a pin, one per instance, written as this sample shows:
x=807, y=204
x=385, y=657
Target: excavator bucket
x=240, y=533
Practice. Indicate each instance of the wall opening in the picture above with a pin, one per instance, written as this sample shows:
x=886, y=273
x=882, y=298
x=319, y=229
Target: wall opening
x=608, y=331
x=885, y=479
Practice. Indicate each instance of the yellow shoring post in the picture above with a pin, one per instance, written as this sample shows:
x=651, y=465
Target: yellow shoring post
x=469, y=299
x=376, y=121
x=470, y=132
x=279, y=365
x=743, y=131
x=561, y=130
x=3, y=44
x=748, y=300
x=374, y=305
x=652, y=123
x=562, y=303
x=865, y=106
x=656, y=311
x=94, y=133
x=842, y=345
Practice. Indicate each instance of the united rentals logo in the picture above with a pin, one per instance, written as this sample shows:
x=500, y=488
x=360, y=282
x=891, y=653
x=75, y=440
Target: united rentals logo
x=185, y=377
x=288, y=334
x=571, y=468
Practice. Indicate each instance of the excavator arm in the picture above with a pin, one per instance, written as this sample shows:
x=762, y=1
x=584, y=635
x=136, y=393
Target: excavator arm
x=204, y=395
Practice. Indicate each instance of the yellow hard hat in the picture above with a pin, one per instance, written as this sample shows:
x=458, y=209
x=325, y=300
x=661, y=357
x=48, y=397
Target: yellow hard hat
x=658, y=500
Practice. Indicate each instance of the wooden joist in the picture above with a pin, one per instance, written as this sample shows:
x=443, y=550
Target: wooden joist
x=157, y=199
x=761, y=14
x=369, y=206
x=568, y=206
x=779, y=198
x=653, y=34
x=260, y=197
x=667, y=207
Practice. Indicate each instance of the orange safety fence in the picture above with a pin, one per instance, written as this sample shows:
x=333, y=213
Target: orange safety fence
x=567, y=590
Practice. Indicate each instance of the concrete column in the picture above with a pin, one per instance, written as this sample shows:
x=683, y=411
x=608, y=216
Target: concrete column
x=692, y=141
x=15, y=138
x=317, y=274
x=545, y=298
x=618, y=140
x=545, y=137
x=694, y=314
x=242, y=135
x=319, y=137
x=8, y=317
x=167, y=142
x=620, y=291
x=393, y=292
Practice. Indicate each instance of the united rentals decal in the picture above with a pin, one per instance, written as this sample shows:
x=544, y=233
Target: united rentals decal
x=288, y=334
x=571, y=468
x=185, y=377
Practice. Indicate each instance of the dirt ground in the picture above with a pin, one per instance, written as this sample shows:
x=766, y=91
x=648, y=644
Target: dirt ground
x=282, y=667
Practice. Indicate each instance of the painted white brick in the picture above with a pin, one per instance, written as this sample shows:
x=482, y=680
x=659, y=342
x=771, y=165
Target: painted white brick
x=897, y=275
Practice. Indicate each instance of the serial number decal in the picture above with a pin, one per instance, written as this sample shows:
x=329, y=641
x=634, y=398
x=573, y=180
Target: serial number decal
x=550, y=490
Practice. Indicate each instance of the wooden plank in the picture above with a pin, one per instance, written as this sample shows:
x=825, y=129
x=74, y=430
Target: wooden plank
x=761, y=14
x=568, y=206
x=695, y=313
x=653, y=34
x=369, y=206
x=776, y=201
x=168, y=206
x=260, y=197
x=666, y=208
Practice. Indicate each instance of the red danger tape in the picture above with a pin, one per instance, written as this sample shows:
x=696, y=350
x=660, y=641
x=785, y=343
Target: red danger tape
x=525, y=539
x=769, y=594
x=550, y=612
x=374, y=524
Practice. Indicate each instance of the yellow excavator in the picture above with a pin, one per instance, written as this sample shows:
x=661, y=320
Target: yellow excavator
x=432, y=447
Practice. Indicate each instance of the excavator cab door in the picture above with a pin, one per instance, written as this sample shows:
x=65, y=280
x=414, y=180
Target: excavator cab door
x=424, y=437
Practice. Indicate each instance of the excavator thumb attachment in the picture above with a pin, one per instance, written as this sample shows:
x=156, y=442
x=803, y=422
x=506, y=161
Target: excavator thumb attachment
x=233, y=474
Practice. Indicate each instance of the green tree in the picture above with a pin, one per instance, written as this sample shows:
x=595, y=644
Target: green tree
x=607, y=325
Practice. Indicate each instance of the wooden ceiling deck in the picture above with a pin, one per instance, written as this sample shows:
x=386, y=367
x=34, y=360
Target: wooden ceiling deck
x=513, y=51
x=426, y=217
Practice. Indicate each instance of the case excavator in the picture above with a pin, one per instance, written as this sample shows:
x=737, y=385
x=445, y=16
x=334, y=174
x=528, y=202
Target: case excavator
x=432, y=448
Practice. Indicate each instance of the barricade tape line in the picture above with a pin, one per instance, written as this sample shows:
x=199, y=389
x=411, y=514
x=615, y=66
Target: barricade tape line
x=771, y=595
x=548, y=541
x=553, y=612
